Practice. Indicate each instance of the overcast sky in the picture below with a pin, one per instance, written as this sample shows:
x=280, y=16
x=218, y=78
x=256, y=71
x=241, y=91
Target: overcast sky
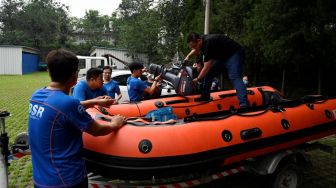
x=77, y=7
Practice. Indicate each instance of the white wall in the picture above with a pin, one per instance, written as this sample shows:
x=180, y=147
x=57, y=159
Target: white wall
x=10, y=60
x=121, y=54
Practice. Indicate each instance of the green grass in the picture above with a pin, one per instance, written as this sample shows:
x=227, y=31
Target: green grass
x=14, y=97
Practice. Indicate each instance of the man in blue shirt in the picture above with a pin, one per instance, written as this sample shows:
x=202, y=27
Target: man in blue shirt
x=55, y=126
x=136, y=87
x=110, y=85
x=92, y=87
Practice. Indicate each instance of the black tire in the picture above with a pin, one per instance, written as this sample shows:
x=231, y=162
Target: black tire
x=288, y=175
x=21, y=139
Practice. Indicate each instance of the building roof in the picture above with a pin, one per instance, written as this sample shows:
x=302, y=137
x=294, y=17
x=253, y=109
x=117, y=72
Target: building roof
x=105, y=48
x=25, y=48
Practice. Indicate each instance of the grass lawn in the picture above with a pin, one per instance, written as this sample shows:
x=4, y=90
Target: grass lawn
x=14, y=97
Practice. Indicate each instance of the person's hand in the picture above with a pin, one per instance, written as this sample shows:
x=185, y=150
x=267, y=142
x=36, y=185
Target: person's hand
x=119, y=120
x=116, y=101
x=158, y=85
x=194, y=81
x=145, y=69
x=99, y=97
x=158, y=78
x=104, y=97
x=105, y=102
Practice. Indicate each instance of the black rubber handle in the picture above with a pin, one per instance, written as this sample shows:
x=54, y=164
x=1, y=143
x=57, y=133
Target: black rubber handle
x=250, y=133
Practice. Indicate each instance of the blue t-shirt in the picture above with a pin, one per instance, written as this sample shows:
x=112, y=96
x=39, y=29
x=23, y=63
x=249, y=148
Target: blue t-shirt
x=83, y=92
x=112, y=88
x=135, y=88
x=55, y=126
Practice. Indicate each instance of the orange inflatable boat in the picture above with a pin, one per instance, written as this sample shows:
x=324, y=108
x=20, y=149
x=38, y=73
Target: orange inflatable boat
x=204, y=135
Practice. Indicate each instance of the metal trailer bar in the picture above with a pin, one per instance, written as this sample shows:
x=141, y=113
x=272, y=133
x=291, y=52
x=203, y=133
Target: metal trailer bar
x=262, y=165
x=3, y=150
x=95, y=182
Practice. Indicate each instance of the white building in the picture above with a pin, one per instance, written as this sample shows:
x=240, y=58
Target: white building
x=120, y=54
x=18, y=60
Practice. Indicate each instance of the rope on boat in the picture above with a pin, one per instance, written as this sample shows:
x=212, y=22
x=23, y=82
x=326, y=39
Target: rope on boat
x=248, y=112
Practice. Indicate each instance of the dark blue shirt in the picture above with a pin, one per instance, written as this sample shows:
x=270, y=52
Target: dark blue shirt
x=55, y=126
x=136, y=88
x=112, y=88
x=83, y=92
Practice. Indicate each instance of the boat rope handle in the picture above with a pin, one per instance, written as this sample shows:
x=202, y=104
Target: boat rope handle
x=138, y=109
x=199, y=104
x=251, y=115
x=133, y=121
x=243, y=114
x=316, y=99
x=102, y=110
x=280, y=107
x=105, y=112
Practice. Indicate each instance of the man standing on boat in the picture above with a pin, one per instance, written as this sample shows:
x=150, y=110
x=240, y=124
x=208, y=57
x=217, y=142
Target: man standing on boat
x=136, y=87
x=218, y=53
x=55, y=126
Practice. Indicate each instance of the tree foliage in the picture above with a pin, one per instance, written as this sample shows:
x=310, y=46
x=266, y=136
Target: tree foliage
x=285, y=40
x=93, y=26
x=139, y=27
x=292, y=34
x=41, y=24
x=172, y=15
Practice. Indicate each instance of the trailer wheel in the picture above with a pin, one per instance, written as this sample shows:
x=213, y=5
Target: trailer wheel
x=22, y=138
x=288, y=175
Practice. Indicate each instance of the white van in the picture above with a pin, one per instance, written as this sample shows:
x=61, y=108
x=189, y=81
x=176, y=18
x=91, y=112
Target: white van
x=87, y=62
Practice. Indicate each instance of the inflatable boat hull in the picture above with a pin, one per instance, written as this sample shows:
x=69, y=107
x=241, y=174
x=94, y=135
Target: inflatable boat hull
x=208, y=141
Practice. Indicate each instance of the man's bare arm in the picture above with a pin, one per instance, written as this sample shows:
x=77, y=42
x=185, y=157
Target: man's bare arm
x=192, y=53
x=97, y=129
x=97, y=101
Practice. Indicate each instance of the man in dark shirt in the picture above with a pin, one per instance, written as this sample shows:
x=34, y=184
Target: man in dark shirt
x=218, y=53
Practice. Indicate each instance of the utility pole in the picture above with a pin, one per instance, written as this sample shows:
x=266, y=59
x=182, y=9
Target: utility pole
x=207, y=17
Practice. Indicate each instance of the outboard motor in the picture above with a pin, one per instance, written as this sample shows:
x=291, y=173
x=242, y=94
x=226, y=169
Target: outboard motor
x=180, y=76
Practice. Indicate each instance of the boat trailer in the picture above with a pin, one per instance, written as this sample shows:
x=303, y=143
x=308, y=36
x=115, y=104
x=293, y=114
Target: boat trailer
x=284, y=167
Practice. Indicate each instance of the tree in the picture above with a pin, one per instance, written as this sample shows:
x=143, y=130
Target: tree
x=292, y=34
x=9, y=12
x=319, y=32
x=139, y=28
x=172, y=16
x=94, y=26
x=42, y=24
